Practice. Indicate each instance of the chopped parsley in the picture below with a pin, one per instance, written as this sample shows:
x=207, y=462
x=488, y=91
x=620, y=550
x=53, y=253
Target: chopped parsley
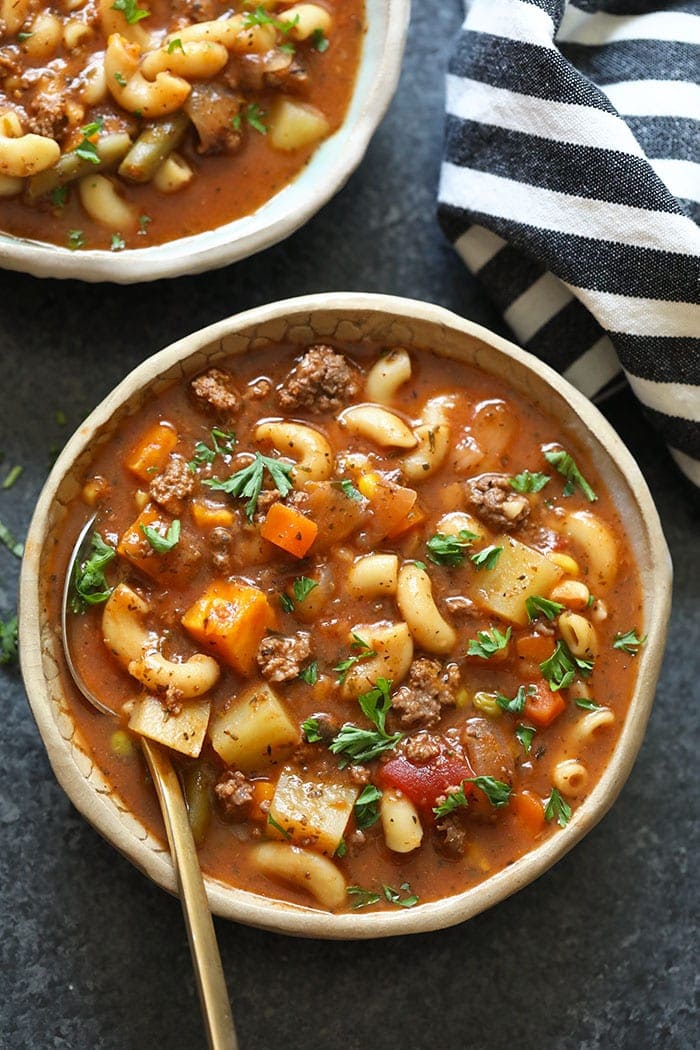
x=488, y=643
x=450, y=550
x=247, y=482
x=303, y=587
x=160, y=542
x=254, y=116
x=487, y=558
x=278, y=827
x=586, y=704
x=367, y=807
x=364, y=897
x=24, y=36
x=357, y=745
x=12, y=477
x=86, y=149
x=59, y=196
x=131, y=10
x=562, y=667
x=536, y=606
x=144, y=223
x=13, y=545
x=526, y=481
x=260, y=17
x=89, y=582
x=117, y=243
x=455, y=800
x=516, y=704
x=8, y=640
x=76, y=240
x=341, y=850
x=349, y=489
x=394, y=896
x=286, y=602
x=222, y=443
x=120, y=79
x=319, y=40
x=344, y=666
x=558, y=809
x=175, y=45
x=629, y=642
x=524, y=734
x=496, y=791
x=310, y=673
x=566, y=466
x=310, y=729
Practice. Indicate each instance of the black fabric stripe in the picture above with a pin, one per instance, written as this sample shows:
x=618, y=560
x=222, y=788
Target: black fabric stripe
x=615, y=386
x=566, y=336
x=554, y=8
x=600, y=174
x=691, y=209
x=599, y=265
x=637, y=7
x=509, y=274
x=678, y=433
x=525, y=68
x=674, y=137
x=663, y=359
x=633, y=60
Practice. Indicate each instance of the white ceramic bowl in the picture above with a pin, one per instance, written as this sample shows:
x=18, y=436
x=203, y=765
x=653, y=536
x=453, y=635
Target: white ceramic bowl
x=328, y=170
x=350, y=318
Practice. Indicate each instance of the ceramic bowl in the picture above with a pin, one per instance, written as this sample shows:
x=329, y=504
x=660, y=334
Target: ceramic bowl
x=349, y=318
x=327, y=171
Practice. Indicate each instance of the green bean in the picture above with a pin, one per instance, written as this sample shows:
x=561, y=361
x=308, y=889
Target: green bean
x=198, y=780
x=154, y=144
x=69, y=166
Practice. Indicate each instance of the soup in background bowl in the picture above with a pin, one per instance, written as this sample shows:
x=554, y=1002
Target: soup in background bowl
x=400, y=623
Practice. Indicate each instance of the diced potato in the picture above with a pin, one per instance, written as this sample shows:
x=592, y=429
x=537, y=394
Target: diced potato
x=292, y=125
x=231, y=619
x=314, y=812
x=519, y=572
x=255, y=731
x=183, y=732
x=150, y=455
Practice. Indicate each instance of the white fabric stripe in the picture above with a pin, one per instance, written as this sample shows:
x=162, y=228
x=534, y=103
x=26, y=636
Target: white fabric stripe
x=579, y=27
x=637, y=316
x=673, y=399
x=681, y=177
x=689, y=466
x=512, y=19
x=566, y=213
x=593, y=369
x=542, y=300
x=655, y=98
x=477, y=246
x=559, y=121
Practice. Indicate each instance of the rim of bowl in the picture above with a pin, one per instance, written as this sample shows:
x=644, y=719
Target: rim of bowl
x=330, y=167
x=644, y=530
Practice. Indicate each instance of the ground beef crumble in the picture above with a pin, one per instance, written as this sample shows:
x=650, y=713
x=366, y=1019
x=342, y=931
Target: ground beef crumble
x=421, y=748
x=494, y=500
x=280, y=657
x=216, y=389
x=173, y=486
x=430, y=686
x=233, y=793
x=322, y=381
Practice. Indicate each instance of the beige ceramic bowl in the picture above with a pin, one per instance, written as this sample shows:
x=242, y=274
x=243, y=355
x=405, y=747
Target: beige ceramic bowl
x=350, y=318
x=327, y=171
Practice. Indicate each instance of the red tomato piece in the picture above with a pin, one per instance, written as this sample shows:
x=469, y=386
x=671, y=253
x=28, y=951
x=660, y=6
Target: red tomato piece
x=424, y=784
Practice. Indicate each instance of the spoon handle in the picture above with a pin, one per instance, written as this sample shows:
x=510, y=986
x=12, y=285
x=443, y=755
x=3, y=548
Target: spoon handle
x=209, y=973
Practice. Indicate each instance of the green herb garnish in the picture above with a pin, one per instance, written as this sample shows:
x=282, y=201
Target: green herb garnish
x=629, y=642
x=89, y=582
x=488, y=643
x=496, y=791
x=131, y=10
x=562, y=666
x=362, y=897
x=516, y=704
x=367, y=807
x=450, y=550
x=454, y=800
x=254, y=115
x=357, y=745
x=310, y=673
x=117, y=243
x=278, y=827
x=566, y=465
x=86, y=149
x=557, y=809
x=247, y=482
x=303, y=587
x=319, y=40
x=175, y=45
x=587, y=704
x=349, y=489
x=536, y=606
x=162, y=543
x=486, y=558
x=76, y=240
x=524, y=734
x=222, y=443
x=526, y=481
x=310, y=729
x=344, y=666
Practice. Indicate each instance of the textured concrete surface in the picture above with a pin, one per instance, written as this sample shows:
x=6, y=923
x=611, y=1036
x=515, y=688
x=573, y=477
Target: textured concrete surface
x=599, y=953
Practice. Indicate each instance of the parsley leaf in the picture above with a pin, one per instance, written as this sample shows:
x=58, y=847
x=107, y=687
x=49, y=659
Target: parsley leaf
x=449, y=550
x=278, y=827
x=562, y=666
x=76, y=240
x=260, y=17
x=310, y=673
x=131, y=10
x=524, y=734
x=247, y=482
x=12, y=544
x=319, y=40
x=362, y=897
x=496, y=791
x=558, y=809
x=254, y=115
x=286, y=602
x=393, y=896
x=586, y=704
x=117, y=243
x=302, y=587
x=349, y=489
x=8, y=641
x=487, y=558
x=144, y=223
x=86, y=149
x=162, y=543
x=487, y=643
x=367, y=808
x=310, y=729
x=629, y=642
x=344, y=666
x=120, y=79
x=536, y=605
x=59, y=196
x=566, y=465
x=517, y=703
x=358, y=745
x=222, y=443
x=529, y=482
x=89, y=583
x=175, y=45
x=454, y=800
x=376, y=702
x=342, y=848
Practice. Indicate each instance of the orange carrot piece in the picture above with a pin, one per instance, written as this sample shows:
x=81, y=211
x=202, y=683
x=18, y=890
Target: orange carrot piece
x=543, y=706
x=263, y=791
x=230, y=620
x=529, y=810
x=134, y=546
x=414, y=517
x=534, y=647
x=289, y=529
x=150, y=455
x=210, y=516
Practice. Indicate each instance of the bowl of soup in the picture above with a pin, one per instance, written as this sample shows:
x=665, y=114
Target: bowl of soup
x=392, y=593
x=179, y=138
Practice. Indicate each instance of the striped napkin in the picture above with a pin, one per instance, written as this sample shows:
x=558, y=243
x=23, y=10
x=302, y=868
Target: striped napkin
x=571, y=187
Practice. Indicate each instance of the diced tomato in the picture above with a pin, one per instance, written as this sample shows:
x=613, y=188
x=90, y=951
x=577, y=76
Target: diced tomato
x=543, y=706
x=424, y=784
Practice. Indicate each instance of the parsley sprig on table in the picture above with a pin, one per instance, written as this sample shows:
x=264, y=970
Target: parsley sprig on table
x=247, y=482
x=8, y=640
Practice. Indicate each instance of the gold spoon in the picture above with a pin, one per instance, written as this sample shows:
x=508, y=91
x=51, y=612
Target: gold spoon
x=209, y=974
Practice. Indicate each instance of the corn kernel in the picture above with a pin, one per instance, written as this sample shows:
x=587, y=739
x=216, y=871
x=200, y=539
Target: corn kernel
x=487, y=704
x=565, y=562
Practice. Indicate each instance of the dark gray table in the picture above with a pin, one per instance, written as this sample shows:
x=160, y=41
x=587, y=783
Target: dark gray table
x=597, y=953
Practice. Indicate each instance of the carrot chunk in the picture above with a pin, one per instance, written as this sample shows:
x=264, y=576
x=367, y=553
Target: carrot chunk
x=543, y=706
x=529, y=811
x=229, y=620
x=289, y=529
x=211, y=516
x=134, y=546
x=263, y=791
x=150, y=455
x=534, y=647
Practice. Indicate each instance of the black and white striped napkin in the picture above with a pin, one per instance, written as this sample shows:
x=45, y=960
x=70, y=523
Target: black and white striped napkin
x=571, y=187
